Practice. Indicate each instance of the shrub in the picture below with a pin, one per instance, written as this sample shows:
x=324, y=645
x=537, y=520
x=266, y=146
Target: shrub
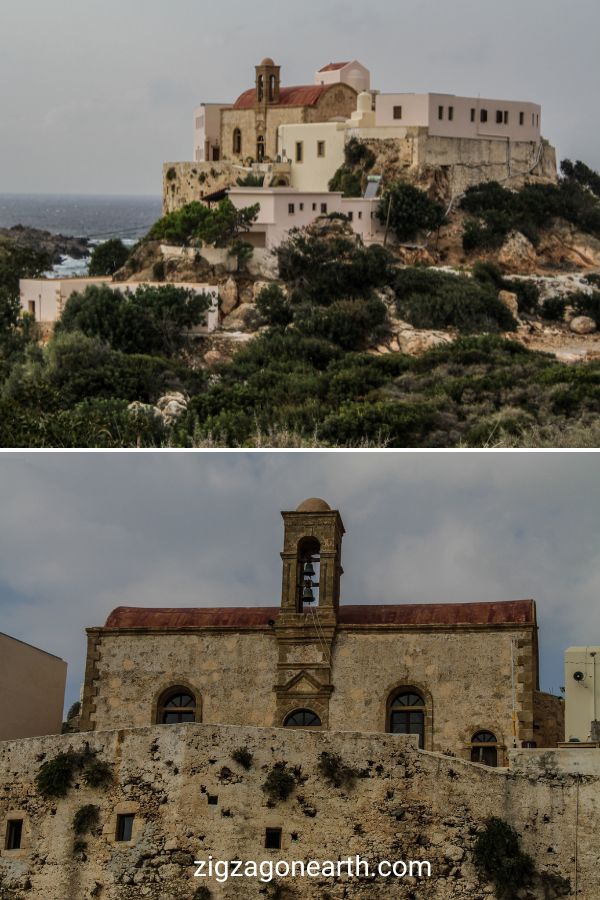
x=333, y=769
x=587, y=305
x=528, y=293
x=97, y=773
x=86, y=818
x=356, y=153
x=347, y=181
x=273, y=304
x=153, y=320
x=408, y=211
x=202, y=893
x=56, y=775
x=279, y=783
x=171, y=174
x=243, y=756
x=553, y=308
x=106, y=258
x=498, y=854
x=429, y=299
x=218, y=226
x=351, y=324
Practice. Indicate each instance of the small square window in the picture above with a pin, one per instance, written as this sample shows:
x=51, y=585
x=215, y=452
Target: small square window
x=483, y=115
x=14, y=834
x=291, y=209
x=521, y=118
x=397, y=112
x=273, y=839
x=321, y=148
x=125, y=827
x=472, y=115
x=323, y=209
x=450, y=113
x=213, y=800
x=440, y=112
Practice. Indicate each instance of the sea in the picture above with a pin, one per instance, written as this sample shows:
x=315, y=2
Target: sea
x=98, y=218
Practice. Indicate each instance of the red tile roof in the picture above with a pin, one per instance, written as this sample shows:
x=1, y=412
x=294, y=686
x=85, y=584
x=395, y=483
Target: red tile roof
x=334, y=67
x=303, y=95
x=511, y=612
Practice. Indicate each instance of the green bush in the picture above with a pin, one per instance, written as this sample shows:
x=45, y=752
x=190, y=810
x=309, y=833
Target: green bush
x=279, y=783
x=498, y=854
x=335, y=771
x=408, y=211
x=97, y=773
x=219, y=225
x=528, y=293
x=357, y=153
x=587, y=305
x=553, y=309
x=106, y=258
x=86, y=818
x=55, y=776
x=153, y=320
x=431, y=299
x=347, y=181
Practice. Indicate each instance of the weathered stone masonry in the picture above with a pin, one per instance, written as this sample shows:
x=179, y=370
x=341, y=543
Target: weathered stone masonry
x=403, y=804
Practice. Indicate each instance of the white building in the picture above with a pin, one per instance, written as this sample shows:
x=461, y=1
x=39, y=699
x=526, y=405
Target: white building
x=352, y=73
x=207, y=131
x=282, y=209
x=45, y=298
x=582, y=692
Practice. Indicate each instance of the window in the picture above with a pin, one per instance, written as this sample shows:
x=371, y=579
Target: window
x=351, y=216
x=407, y=714
x=323, y=209
x=299, y=151
x=31, y=306
x=291, y=209
x=537, y=119
x=498, y=117
x=213, y=800
x=237, y=142
x=440, y=112
x=521, y=118
x=14, y=834
x=397, y=112
x=483, y=115
x=302, y=718
x=484, y=748
x=260, y=148
x=472, y=115
x=506, y=117
x=125, y=827
x=321, y=148
x=273, y=839
x=176, y=706
x=261, y=88
x=314, y=207
x=360, y=215
x=301, y=207
x=533, y=118
x=450, y=113
x=272, y=88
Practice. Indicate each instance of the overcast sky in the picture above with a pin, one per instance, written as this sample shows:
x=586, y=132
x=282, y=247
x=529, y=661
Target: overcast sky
x=96, y=95
x=83, y=533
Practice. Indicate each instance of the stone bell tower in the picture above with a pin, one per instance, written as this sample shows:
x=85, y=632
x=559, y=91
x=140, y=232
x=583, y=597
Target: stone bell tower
x=268, y=83
x=310, y=599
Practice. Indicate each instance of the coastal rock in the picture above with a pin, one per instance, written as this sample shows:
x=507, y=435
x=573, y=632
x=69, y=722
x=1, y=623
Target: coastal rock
x=582, y=325
x=517, y=253
x=57, y=246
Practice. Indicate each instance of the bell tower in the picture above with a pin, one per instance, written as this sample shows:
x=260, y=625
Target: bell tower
x=268, y=83
x=310, y=597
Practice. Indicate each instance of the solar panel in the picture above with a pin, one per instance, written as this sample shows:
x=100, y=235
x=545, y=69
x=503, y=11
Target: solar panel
x=373, y=185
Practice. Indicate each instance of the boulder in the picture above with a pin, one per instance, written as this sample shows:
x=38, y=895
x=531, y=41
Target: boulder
x=212, y=357
x=171, y=406
x=511, y=301
x=416, y=342
x=229, y=296
x=582, y=325
x=517, y=253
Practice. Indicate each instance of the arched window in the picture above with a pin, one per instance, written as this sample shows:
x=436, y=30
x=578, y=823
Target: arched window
x=407, y=714
x=272, y=88
x=176, y=705
x=484, y=748
x=261, y=88
x=260, y=148
x=308, y=573
x=302, y=718
x=237, y=142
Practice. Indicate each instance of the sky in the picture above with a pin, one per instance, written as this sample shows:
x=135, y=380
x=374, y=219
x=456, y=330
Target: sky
x=96, y=96
x=83, y=533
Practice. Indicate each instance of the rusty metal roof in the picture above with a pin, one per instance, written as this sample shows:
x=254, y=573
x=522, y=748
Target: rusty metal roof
x=302, y=95
x=511, y=612
x=334, y=67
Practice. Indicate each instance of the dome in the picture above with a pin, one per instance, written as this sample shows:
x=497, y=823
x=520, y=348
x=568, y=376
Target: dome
x=314, y=504
x=267, y=61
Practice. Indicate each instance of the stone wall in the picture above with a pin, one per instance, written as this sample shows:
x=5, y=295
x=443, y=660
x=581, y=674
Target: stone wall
x=463, y=672
x=400, y=804
x=184, y=182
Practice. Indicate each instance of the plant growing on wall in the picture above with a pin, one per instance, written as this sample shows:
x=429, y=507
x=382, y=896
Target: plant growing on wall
x=335, y=771
x=86, y=818
x=498, y=854
x=97, y=773
x=243, y=756
x=279, y=783
x=55, y=776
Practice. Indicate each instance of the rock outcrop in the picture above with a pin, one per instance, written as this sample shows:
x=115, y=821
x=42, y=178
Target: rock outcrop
x=56, y=246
